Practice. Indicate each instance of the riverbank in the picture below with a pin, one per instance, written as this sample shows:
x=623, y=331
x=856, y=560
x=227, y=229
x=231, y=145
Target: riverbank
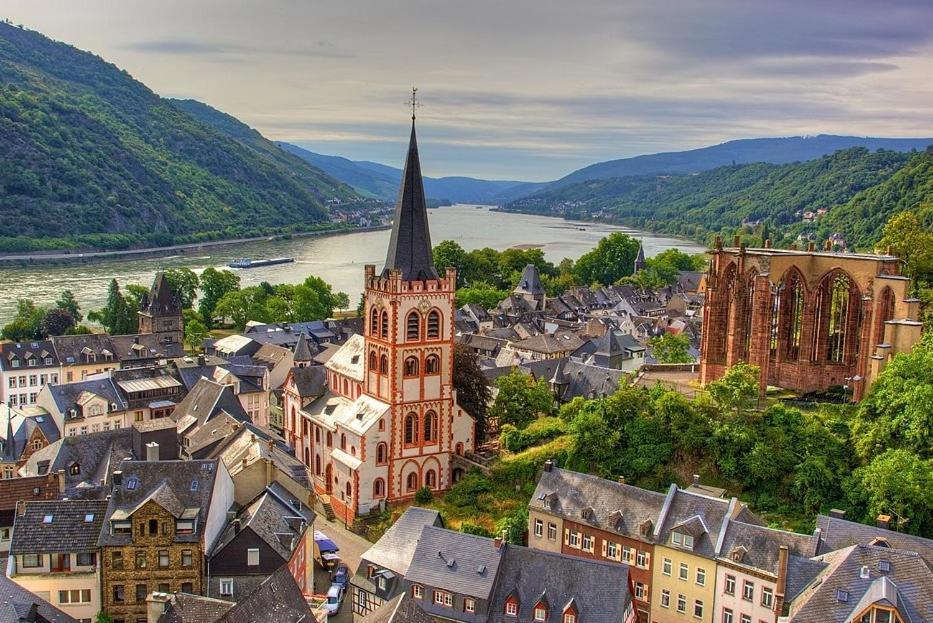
x=72, y=257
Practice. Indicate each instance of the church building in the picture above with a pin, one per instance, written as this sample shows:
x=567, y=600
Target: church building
x=389, y=423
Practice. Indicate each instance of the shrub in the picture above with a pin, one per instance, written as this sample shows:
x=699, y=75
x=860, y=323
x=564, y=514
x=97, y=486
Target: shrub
x=464, y=493
x=471, y=528
x=424, y=495
x=542, y=429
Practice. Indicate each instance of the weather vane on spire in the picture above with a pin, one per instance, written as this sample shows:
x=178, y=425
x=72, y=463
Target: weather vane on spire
x=413, y=102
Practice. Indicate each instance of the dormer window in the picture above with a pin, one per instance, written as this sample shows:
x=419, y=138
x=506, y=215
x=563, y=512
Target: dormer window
x=511, y=608
x=32, y=362
x=682, y=540
x=184, y=526
x=121, y=527
x=14, y=363
x=540, y=613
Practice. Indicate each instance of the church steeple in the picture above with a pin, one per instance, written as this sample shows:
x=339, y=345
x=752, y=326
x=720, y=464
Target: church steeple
x=410, y=245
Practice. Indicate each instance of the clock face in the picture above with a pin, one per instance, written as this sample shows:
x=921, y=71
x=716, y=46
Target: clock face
x=424, y=306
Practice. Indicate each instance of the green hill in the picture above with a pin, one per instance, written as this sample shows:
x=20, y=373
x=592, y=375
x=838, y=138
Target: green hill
x=860, y=190
x=90, y=157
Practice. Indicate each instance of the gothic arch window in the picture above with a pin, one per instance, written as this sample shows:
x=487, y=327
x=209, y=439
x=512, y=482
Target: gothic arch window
x=343, y=442
x=432, y=364
x=411, y=429
x=725, y=292
x=838, y=314
x=379, y=488
x=373, y=361
x=747, y=308
x=430, y=427
x=374, y=322
x=382, y=453
x=349, y=489
x=346, y=388
x=384, y=365
x=885, y=313
x=317, y=434
x=411, y=366
x=330, y=439
x=317, y=464
x=413, y=326
x=411, y=482
x=793, y=295
x=384, y=325
x=430, y=479
x=434, y=325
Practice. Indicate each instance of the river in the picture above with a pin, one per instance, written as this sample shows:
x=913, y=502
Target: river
x=338, y=259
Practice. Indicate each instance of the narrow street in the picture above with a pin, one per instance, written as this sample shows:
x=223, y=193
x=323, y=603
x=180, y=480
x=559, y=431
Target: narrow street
x=351, y=547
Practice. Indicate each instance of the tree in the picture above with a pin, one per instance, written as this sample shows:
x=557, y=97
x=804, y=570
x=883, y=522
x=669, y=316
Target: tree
x=67, y=301
x=487, y=297
x=612, y=259
x=26, y=324
x=450, y=254
x=737, y=390
x=195, y=330
x=913, y=242
x=56, y=321
x=473, y=391
x=117, y=317
x=671, y=348
x=184, y=282
x=594, y=445
x=243, y=305
x=214, y=285
x=513, y=526
x=315, y=300
x=897, y=483
x=521, y=399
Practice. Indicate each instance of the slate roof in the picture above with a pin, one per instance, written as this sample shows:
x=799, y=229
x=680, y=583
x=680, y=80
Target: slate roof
x=570, y=493
x=66, y=395
x=394, y=550
x=168, y=483
x=348, y=359
x=410, y=243
x=17, y=605
x=161, y=299
x=74, y=527
x=200, y=440
x=547, y=344
x=683, y=506
x=19, y=350
x=530, y=282
x=839, y=533
x=302, y=351
x=455, y=561
x=761, y=545
x=356, y=415
x=857, y=571
x=598, y=590
x=309, y=381
x=252, y=443
x=206, y=400
x=96, y=456
x=144, y=346
x=187, y=608
x=278, y=599
x=573, y=378
x=69, y=348
x=275, y=516
x=480, y=342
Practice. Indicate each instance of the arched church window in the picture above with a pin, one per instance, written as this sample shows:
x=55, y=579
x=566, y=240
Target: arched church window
x=432, y=364
x=430, y=427
x=434, y=325
x=411, y=428
x=413, y=326
x=384, y=325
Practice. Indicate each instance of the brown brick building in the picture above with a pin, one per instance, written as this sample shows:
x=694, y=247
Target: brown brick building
x=161, y=519
x=809, y=320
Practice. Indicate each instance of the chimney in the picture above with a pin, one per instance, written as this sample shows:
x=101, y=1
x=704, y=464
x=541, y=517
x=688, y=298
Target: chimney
x=117, y=479
x=152, y=451
x=21, y=508
x=696, y=480
x=548, y=465
x=236, y=526
x=202, y=360
x=499, y=541
x=135, y=339
x=835, y=513
x=781, y=588
x=621, y=480
x=884, y=521
x=60, y=474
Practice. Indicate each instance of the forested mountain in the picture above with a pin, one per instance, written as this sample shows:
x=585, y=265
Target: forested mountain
x=91, y=157
x=860, y=190
x=771, y=150
x=379, y=180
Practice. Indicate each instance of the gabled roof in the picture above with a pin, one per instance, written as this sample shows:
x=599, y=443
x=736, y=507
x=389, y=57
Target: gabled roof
x=410, y=243
x=310, y=381
x=455, y=561
x=161, y=299
x=760, y=545
x=206, y=400
x=356, y=415
x=839, y=533
x=348, y=359
x=530, y=282
x=278, y=599
x=96, y=455
x=74, y=526
x=69, y=396
x=19, y=605
x=70, y=348
x=394, y=550
x=144, y=346
x=40, y=349
x=250, y=443
x=187, y=608
x=302, y=350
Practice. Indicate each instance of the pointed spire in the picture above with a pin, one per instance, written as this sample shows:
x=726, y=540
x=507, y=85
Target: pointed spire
x=640, y=258
x=410, y=244
x=302, y=350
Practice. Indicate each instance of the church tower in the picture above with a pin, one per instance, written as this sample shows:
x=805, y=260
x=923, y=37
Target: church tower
x=160, y=313
x=408, y=351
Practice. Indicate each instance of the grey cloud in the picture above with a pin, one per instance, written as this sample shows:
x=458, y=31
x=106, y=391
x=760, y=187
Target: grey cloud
x=186, y=47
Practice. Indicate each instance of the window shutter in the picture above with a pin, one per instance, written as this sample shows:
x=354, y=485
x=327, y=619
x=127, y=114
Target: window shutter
x=604, y=548
x=566, y=536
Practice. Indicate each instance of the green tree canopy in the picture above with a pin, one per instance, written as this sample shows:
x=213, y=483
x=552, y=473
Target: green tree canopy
x=671, y=348
x=737, y=390
x=612, y=259
x=521, y=399
x=184, y=282
x=214, y=285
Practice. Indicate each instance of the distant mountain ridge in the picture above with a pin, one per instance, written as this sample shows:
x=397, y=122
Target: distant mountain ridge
x=744, y=151
x=379, y=180
x=91, y=158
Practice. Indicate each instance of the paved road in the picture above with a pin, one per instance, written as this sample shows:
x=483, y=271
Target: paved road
x=351, y=547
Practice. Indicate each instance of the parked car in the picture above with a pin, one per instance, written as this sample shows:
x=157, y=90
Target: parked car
x=334, y=599
x=342, y=575
x=325, y=551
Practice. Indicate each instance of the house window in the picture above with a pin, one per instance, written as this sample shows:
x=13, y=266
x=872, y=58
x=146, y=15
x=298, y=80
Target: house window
x=432, y=364
x=187, y=559
x=187, y=587
x=612, y=549
x=730, y=585
x=641, y=591
x=666, y=566
x=434, y=325
x=153, y=527
x=681, y=603
x=31, y=560
x=252, y=555
x=411, y=482
x=627, y=554
x=747, y=618
x=575, y=539
x=86, y=559
x=684, y=571
x=767, y=597
x=676, y=538
x=75, y=596
x=701, y=576
x=665, y=598
x=748, y=590
x=417, y=591
x=511, y=609
x=382, y=453
x=185, y=526
x=411, y=367
x=552, y=531
x=430, y=479
x=140, y=559
x=140, y=593
x=226, y=587
x=698, y=609
x=118, y=594
x=163, y=558
x=570, y=617
x=469, y=604
x=587, y=543
x=539, y=528
x=540, y=613
x=379, y=488
x=688, y=541
x=641, y=559
x=727, y=616
x=411, y=428
x=116, y=560
x=443, y=598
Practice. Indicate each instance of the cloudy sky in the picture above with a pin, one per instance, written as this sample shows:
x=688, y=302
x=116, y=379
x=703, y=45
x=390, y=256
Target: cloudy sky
x=521, y=89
